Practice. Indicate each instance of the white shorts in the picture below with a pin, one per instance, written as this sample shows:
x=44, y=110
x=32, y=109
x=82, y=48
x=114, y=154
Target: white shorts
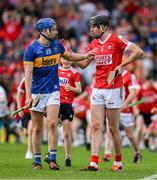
x=127, y=119
x=111, y=98
x=46, y=100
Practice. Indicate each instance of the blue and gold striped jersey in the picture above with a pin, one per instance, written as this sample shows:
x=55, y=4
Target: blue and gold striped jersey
x=45, y=60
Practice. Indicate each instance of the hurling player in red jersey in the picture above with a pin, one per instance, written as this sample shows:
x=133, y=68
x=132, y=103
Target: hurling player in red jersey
x=110, y=48
x=126, y=116
x=70, y=84
x=144, y=111
x=25, y=117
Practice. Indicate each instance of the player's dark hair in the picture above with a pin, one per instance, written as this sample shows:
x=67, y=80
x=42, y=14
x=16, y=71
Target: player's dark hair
x=99, y=20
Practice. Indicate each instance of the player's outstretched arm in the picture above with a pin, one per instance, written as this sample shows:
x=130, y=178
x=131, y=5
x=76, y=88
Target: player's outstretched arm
x=75, y=57
x=85, y=63
x=82, y=64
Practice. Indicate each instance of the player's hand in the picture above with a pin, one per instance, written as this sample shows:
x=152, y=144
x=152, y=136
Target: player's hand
x=66, y=44
x=125, y=106
x=136, y=111
x=92, y=53
x=21, y=114
x=68, y=87
x=118, y=70
x=28, y=102
x=154, y=110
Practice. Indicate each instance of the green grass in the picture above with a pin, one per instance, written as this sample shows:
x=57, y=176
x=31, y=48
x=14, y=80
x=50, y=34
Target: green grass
x=14, y=166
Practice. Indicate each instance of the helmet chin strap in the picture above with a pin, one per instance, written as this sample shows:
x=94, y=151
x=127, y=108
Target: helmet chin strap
x=103, y=29
x=49, y=39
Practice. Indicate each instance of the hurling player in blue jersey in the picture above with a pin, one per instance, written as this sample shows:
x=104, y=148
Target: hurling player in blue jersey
x=41, y=61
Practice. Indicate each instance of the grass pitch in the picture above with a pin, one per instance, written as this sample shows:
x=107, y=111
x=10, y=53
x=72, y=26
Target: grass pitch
x=14, y=166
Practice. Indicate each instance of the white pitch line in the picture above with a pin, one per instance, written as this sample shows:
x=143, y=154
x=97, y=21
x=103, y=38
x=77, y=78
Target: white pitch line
x=151, y=177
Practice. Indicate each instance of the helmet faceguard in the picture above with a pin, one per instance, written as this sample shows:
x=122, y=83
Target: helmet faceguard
x=45, y=23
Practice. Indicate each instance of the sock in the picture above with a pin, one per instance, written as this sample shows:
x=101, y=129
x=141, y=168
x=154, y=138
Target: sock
x=53, y=155
x=118, y=160
x=94, y=160
x=108, y=156
x=137, y=153
x=37, y=158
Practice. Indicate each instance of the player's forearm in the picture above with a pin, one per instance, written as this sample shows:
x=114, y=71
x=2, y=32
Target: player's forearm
x=18, y=99
x=28, y=83
x=76, y=89
x=75, y=57
x=135, y=55
x=130, y=97
x=83, y=64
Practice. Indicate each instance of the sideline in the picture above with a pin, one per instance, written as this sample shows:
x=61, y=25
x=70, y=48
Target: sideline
x=151, y=177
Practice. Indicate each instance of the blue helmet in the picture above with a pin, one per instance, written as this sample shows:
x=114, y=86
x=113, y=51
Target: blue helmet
x=45, y=23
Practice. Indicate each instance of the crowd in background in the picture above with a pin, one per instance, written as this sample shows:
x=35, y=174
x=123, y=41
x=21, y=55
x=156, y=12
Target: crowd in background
x=135, y=20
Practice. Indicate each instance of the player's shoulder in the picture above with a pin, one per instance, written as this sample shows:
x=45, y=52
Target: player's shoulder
x=127, y=75
x=33, y=44
x=122, y=38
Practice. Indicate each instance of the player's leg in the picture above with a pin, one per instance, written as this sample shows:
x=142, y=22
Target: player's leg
x=67, y=141
x=113, y=118
x=66, y=115
x=139, y=130
x=88, y=129
x=29, y=154
x=76, y=123
x=37, y=122
x=44, y=132
x=52, y=120
x=128, y=121
x=97, y=114
x=130, y=135
x=108, y=143
x=114, y=101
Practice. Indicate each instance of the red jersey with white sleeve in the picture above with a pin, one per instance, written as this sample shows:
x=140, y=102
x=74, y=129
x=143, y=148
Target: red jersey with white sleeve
x=150, y=98
x=22, y=89
x=129, y=82
x=108, y=57
x=67, y=76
